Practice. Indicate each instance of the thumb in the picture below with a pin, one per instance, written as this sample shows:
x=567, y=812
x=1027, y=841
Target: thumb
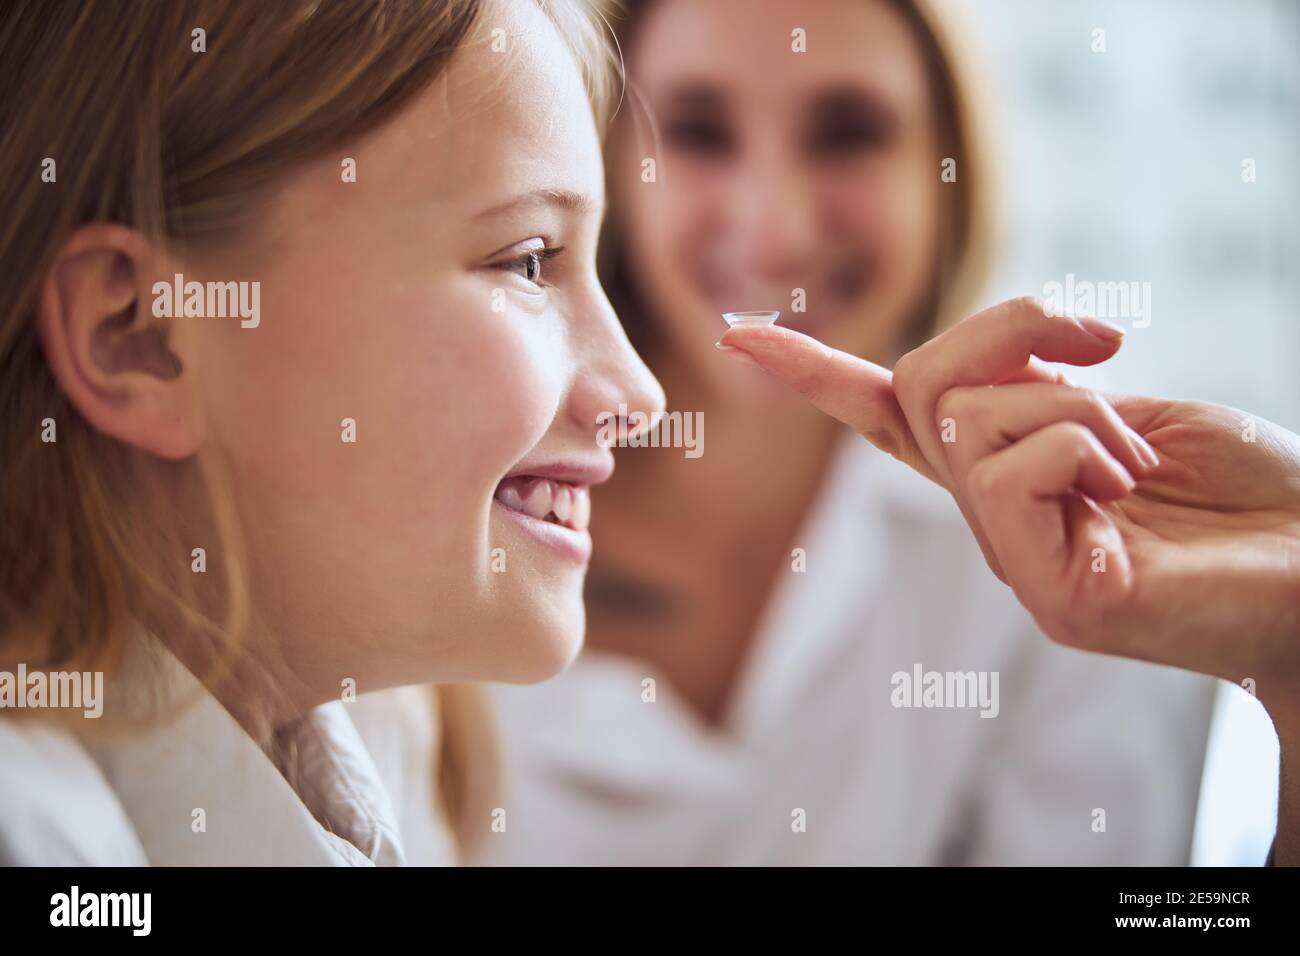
x=857, y=392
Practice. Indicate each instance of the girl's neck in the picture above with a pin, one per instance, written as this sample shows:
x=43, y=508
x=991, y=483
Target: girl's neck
x=255, y=685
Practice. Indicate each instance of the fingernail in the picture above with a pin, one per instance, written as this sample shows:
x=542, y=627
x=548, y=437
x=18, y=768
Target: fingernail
x=1103, y=330
x=740, y=355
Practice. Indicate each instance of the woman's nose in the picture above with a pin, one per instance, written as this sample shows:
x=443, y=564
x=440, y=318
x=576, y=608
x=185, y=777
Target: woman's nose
x=772, y=213
x=612, y=382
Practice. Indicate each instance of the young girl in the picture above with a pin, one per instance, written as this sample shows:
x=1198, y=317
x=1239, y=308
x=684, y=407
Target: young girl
x=301, y=357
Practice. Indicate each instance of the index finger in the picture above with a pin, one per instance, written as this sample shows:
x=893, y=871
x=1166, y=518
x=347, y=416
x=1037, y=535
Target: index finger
x=857, y=392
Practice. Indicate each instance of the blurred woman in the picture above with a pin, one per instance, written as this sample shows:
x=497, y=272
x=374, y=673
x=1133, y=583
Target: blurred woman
x=764, y=618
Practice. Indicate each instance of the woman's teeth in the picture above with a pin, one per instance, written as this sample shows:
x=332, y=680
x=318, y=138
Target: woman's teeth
x=547, y=500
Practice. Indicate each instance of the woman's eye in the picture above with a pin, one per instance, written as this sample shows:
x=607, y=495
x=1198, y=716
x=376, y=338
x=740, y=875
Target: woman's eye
x=699, y=137
x=848, y=138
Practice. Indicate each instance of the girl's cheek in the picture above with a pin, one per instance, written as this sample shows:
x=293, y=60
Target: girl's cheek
x=385, y=394
x=509, y=381
x=462, y=391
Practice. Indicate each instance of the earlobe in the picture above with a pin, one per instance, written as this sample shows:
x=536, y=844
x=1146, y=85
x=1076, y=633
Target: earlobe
x=108, y=353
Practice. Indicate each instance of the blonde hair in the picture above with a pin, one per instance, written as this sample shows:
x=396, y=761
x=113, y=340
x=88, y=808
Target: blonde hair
x=181, y=148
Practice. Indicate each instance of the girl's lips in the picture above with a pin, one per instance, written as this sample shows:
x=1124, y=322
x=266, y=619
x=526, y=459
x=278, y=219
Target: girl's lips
x=552, y=501
x=573, y=544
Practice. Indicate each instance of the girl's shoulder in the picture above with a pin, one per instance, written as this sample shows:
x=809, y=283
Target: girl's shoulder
x=56, y=807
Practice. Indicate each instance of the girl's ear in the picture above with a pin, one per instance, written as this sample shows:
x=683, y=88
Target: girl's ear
x=109, y=355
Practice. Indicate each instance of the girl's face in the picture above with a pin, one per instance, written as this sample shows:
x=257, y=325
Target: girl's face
x=444, y=311
x=781, y=170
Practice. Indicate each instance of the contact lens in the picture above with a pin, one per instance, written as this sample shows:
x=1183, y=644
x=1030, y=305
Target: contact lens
x=743, y=319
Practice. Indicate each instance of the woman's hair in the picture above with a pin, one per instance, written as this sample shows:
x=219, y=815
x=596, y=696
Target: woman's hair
x=970, y=232
x=178, y=119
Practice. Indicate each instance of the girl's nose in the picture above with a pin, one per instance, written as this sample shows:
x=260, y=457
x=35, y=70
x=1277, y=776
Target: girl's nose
x=612, y=381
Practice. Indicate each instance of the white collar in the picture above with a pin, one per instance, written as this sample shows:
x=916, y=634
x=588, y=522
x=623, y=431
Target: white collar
x=201, y=759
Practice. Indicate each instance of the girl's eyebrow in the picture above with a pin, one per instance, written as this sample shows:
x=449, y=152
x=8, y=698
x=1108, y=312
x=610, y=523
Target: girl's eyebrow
x=564, y=199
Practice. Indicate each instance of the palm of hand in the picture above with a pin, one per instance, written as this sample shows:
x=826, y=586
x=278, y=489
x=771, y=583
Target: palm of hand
x=1207, y=546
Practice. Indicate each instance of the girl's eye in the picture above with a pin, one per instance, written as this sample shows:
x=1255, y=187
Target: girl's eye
x=533, y=267
x=528, y=264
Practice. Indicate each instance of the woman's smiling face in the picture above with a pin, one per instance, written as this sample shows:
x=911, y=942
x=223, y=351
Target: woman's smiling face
x=447, y=303
x=781, y=169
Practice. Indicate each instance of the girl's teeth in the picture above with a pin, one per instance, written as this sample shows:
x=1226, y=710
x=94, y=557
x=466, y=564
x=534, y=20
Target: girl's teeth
x=542, y=498
x=563, y=503
x=537, y=502
x=511, y=498
x=580, y=516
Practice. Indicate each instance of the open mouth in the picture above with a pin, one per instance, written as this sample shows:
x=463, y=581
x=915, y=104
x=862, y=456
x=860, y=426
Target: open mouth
x=546, y=499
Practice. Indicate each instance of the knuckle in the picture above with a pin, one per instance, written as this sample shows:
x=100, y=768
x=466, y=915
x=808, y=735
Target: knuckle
x=962, y=405
x=1078, y=628
x=1028, y=313
x=1075, y=435
x=1093, y=406
x=1090, y=397
x=1066, y=632
x=906, y=373
x=950, y=405
x=885, y=439
x=988, y=479
x=995, y=566
x=1030, y=306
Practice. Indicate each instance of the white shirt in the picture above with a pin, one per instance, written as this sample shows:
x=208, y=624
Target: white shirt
x=1090, y=759
x=196, y=789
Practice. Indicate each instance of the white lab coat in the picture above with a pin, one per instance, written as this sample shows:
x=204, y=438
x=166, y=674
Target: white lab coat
x=197, y=790
x=1090, y=760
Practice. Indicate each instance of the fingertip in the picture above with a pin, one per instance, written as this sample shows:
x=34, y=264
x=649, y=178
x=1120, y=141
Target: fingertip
x=764, y=338
x=796, y=359
x=1077, y=338
x=1098, y=341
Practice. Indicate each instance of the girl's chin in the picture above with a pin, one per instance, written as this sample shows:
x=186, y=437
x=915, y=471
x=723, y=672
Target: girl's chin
x=546, y=650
